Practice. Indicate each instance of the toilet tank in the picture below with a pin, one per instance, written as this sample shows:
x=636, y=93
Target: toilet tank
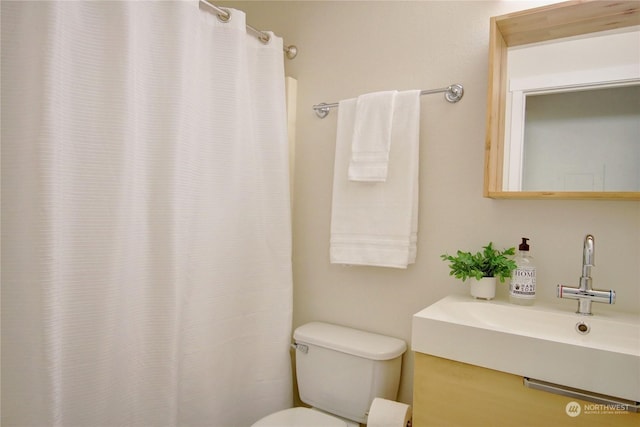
x=341, y=370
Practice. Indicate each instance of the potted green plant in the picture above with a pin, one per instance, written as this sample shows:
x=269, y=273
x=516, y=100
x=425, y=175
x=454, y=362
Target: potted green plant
x=483, y=267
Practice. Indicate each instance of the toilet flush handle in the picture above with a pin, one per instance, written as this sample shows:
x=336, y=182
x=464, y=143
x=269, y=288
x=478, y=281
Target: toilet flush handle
x=301, y=347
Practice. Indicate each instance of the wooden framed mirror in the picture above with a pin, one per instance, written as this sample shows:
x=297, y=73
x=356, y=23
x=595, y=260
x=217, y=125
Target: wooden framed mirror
x=547, y=27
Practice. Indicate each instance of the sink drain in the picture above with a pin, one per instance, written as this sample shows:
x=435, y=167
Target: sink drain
x=583, y=328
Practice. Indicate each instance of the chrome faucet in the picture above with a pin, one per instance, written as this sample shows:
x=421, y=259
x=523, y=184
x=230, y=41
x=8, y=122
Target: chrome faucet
x=585, y=294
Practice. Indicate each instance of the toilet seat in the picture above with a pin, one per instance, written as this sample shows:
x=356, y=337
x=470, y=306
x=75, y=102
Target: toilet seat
x=299, y=417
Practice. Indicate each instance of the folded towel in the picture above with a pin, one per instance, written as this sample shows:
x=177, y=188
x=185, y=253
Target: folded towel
x=371, y=136
x=376, y=223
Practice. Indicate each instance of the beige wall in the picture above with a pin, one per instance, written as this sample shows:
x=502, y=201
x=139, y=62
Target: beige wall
x=350, y=48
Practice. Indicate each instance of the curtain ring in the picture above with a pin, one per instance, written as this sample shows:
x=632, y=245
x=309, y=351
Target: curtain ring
x=265, y=37
x=224, y=16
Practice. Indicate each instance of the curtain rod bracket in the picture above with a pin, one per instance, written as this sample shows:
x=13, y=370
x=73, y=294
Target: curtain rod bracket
x=291, y=51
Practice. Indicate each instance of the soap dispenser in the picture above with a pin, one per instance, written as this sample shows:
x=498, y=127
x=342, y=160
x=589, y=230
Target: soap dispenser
x=522, y=287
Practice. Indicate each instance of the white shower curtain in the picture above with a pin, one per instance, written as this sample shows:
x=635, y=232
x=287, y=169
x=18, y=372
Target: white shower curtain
x=146, y=255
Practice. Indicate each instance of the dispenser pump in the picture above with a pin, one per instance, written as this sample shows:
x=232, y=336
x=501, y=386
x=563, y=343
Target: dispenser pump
x=524, y=246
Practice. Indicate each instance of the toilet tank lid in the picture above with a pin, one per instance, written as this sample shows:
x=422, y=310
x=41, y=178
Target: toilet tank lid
x=351, y=341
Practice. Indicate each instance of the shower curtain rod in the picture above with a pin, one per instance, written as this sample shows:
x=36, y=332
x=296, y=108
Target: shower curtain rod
x=452, y=94
x=224, y=15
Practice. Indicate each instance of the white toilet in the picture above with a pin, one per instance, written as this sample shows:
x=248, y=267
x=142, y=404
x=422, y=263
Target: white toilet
x=340, y=371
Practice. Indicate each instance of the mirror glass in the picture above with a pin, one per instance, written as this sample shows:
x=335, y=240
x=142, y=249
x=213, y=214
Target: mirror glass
x=573, y=115
x=585, y=140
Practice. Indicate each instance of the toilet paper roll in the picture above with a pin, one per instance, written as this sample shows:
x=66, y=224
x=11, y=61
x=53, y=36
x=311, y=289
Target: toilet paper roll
x=387, y=413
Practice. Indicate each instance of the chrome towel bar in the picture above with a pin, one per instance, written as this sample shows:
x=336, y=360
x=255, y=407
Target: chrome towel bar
x=452, y=94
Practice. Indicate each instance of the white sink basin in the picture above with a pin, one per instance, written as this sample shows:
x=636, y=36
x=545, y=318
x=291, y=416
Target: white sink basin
x=539, y=342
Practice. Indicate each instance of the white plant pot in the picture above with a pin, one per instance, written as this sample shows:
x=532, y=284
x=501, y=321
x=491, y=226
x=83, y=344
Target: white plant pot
x=484, y=288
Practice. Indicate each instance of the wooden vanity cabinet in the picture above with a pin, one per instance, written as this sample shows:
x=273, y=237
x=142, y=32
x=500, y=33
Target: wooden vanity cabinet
x=449, y=394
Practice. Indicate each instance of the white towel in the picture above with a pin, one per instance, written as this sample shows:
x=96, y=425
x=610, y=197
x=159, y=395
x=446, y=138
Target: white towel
x=372, y=136
x=376, y=223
